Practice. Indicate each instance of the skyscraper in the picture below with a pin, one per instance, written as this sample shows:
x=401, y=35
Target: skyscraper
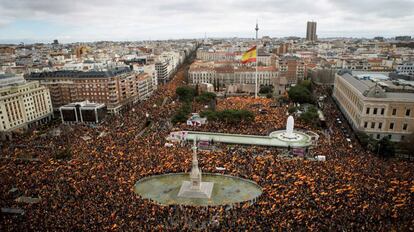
x=311, y=31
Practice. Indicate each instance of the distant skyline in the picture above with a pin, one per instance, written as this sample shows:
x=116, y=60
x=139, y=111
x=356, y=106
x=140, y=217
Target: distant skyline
x=119, y=20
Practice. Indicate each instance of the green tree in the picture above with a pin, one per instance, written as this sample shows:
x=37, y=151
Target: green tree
x=311, y=115
x=408, y=144
x=292, y=109
x=206, y=97
x=307, y=84
x=385, y=148
x=300, y=94
x=210, y=115
x=185, y=93
x=265, y=89
x=179, y=117
x=363, y=138
x=182, y=114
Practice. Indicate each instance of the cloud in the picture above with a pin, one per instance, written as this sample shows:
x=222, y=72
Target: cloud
x=379, y=8
x=163, y=19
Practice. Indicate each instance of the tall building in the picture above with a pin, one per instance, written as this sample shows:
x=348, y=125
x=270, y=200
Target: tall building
x=376, y=106
x=311, y=31
x=114, y=88
x=162, y=71
x=23, y=104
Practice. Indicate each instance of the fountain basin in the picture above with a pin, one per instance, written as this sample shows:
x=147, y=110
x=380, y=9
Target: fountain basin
x=295, y=136
x=227, y=190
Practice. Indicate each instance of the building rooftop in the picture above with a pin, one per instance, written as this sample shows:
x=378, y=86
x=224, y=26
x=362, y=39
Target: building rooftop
x=10, y=79
x=84, y=104
x=79, y=74
x=380, y=88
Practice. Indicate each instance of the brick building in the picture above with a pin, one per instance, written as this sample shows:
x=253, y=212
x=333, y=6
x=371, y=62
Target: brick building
x=114, y=88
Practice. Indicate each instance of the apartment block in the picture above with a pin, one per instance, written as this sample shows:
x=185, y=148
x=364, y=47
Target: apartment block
x=114, y=88
x=293, y=68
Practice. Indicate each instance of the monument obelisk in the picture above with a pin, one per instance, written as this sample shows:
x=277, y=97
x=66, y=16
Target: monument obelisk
x=195, y=188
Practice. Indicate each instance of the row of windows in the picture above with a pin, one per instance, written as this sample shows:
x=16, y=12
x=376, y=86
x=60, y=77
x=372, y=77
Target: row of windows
x=378, y=136
x=406, y=68
x=375, y=111
x=381, y=111
x=407, y=112
x=374, y=125
x=347, y=104
x=350, y=95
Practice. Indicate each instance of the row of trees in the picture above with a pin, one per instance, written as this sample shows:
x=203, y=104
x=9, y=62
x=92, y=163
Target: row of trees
x=185, y=95
x=383, y=147
x=206, y=97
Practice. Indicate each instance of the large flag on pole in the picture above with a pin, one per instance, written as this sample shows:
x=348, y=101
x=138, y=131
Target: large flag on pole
x=249, y=55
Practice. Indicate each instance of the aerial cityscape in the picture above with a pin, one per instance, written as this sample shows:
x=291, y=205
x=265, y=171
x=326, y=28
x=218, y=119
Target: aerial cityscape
x=118, y=115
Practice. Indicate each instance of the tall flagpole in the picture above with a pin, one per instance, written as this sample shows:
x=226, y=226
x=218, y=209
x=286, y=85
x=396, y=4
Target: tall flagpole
x=257, y=57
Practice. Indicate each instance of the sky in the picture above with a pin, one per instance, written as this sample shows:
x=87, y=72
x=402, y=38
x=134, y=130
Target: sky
x=131, y=20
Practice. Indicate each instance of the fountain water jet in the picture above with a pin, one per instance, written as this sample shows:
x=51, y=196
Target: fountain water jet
x=289, y=127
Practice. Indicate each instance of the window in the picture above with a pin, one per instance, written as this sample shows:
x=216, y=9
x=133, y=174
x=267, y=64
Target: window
x=390, y=136
x=405, y=126
x=372, y=125
x=380, y=125
x=394, y=111
x=365, y=124
x=407, y=112
x=375, y=110
x=382, y=111
x=392, y=126
x=402, y=137
x=368, y=110
x=378, y=136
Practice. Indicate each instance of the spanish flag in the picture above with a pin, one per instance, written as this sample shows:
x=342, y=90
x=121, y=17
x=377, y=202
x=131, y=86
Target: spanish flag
x=249, y=56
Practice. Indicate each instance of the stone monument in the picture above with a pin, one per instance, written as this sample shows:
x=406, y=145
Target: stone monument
x=195, y=188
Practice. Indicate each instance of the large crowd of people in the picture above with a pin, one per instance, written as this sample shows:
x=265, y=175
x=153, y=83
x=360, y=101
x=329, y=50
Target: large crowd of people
x=94, y=189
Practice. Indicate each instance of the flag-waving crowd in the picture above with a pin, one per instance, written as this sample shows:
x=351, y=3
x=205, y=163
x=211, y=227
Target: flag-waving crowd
x=352, y=190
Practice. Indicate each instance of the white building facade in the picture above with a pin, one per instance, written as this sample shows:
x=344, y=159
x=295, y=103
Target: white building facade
x=22, y=104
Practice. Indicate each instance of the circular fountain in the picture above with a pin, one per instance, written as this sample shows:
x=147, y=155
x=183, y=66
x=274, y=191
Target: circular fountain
x=185, y=189
x=290, y=135
x=227, y=190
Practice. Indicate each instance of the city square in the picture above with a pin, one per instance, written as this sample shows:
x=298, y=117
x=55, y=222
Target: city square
x=233, y=130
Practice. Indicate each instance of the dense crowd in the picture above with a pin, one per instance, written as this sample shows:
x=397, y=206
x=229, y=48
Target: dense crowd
x=352, y=190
